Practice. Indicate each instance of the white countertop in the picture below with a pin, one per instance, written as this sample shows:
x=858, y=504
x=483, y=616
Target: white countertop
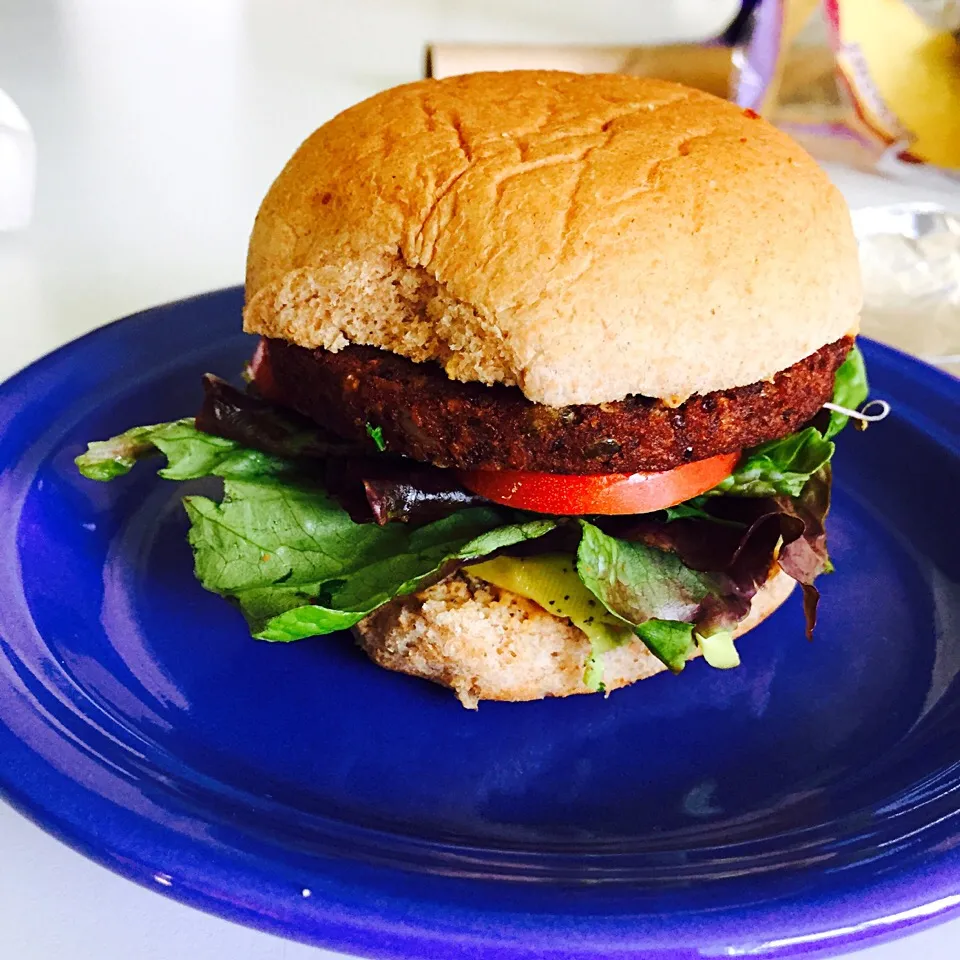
x=159, y=125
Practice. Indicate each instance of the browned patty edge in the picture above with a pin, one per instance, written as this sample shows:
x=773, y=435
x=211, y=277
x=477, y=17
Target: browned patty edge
x=470, y=426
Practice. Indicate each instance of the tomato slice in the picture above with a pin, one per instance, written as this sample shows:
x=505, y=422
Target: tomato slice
x=604, y=493
x=260, y=373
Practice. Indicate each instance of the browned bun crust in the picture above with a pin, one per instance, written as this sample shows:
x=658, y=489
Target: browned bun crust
x=585, y=238
x=425, y=415
x=486, y=643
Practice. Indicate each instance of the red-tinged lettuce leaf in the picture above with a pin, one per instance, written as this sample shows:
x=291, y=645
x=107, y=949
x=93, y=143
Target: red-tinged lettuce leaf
x=805, y=557
x=648, y=588
x=370, y=485
x=755, y=534
x=234, y=435
x=387, y=489
x=418, y=497
x=253, y=422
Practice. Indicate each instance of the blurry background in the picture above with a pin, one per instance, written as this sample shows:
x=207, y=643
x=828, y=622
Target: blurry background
x=159, y=125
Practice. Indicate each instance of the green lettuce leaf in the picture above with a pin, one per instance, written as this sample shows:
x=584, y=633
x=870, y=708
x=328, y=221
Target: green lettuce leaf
x=637, y=582
x=376, y=435
x=778, y=467
x=649, y=589
x=782, y=467
x=696, y=509
x=671, y=642
x=190, y=454
x=296, y=564
x=693, y=509
x=850, y=390
x=284, y=550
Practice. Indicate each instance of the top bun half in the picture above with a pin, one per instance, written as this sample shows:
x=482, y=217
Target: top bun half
x=582, y=237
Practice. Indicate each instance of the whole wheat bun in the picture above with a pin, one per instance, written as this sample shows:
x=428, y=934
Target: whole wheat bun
x=582, y=237
x=487, y=643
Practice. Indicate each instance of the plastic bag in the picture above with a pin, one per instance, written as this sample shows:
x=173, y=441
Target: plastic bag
x=871, y=83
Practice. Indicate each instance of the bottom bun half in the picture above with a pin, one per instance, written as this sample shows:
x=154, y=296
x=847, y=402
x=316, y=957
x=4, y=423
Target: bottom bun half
x=486, y=643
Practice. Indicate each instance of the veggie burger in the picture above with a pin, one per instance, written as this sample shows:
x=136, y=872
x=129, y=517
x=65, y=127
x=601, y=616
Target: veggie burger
x=538, y=404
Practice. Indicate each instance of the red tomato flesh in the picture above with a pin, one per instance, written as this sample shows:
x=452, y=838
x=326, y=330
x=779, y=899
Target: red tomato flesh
x=603, y=493
x=260, y=372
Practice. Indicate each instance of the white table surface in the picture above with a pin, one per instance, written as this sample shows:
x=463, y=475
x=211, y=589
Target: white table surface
x=159, y=125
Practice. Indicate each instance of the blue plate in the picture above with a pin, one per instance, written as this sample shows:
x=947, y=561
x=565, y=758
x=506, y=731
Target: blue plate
x=800, y=804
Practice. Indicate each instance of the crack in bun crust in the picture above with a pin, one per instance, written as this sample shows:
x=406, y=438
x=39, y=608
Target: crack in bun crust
x=583, y=237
